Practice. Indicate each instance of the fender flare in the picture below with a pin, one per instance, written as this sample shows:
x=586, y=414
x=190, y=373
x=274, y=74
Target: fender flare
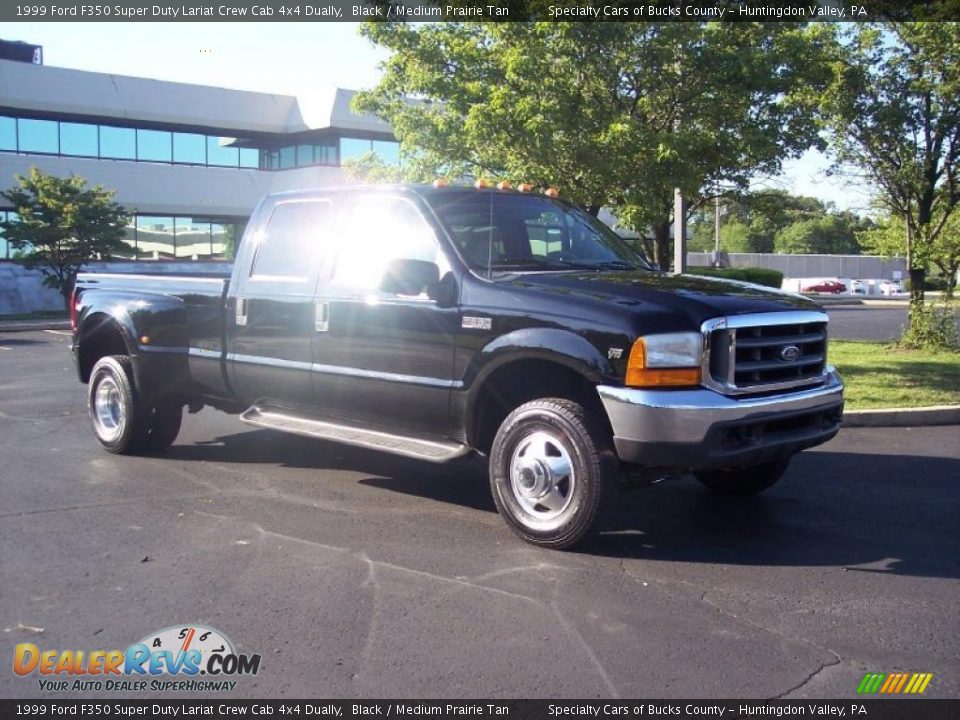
x=560, y=347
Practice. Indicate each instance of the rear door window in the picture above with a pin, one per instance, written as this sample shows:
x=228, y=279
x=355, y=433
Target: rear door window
x=295, y=240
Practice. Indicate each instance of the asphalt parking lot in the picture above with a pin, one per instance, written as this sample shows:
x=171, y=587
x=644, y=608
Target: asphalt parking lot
x=869, y=322
x=356, y=574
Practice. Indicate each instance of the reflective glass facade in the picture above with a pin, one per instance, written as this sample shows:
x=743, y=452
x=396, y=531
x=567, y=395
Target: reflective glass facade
x=177, y=237
x=164, y=237
x=386, y=150
x=6, y=252
x=112, y=142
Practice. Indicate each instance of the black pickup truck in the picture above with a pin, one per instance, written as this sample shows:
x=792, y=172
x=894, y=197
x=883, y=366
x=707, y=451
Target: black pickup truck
x=438, y=322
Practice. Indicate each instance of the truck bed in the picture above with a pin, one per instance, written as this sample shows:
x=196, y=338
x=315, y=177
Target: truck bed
x=170, y=315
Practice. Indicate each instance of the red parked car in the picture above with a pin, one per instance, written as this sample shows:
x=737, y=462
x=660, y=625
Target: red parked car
x=826, y=286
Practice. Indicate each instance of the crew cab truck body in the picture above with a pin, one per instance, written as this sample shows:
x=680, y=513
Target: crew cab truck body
x=438, y=322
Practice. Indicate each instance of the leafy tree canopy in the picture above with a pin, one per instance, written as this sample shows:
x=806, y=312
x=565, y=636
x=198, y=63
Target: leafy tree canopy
x=776, y=221
x=62, y=224
x=893, y=111
x=615, y=114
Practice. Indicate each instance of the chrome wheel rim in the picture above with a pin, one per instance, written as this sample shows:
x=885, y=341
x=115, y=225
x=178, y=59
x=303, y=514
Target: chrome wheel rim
x=542, y=479
x=109, y=411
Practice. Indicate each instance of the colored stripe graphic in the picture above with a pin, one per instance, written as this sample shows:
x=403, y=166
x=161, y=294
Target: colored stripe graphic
x=895, y=683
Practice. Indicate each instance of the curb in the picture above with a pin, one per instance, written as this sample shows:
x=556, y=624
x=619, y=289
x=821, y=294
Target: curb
x=834, y=302
x=903, y=417
x=27, y=325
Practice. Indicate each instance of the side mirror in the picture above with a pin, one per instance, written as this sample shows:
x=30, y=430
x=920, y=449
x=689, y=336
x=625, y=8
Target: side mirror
x=410, y=277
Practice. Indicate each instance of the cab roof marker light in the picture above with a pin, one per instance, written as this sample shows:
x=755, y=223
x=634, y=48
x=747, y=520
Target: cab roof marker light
x=551, y=192
x=481, y=184
x=503, y=185
x=440, y=182
x=524, y=187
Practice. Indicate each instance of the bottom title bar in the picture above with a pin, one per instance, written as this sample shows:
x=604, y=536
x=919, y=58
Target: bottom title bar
x=893, y=709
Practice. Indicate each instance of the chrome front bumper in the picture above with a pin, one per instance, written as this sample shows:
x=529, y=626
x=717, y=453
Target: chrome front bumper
x=701, y=429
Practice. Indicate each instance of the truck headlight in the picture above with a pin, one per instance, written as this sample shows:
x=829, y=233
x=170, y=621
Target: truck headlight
x=665, y=360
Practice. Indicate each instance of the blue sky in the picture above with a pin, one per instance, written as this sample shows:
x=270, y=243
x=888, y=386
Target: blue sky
x=287, y=58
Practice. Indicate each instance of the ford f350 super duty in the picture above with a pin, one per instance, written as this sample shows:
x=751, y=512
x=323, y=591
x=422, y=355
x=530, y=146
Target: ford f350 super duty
x=439, y=322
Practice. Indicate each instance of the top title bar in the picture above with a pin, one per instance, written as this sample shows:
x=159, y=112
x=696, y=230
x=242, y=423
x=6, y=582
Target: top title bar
x=478, y=10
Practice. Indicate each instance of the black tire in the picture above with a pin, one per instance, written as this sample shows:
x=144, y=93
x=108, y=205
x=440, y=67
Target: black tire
x=163, y=427
x=530, y=451
x=119, y=421
x=123, y=423
x=744, y=481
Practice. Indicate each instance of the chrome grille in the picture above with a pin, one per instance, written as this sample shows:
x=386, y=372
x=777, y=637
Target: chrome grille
x=765, y=352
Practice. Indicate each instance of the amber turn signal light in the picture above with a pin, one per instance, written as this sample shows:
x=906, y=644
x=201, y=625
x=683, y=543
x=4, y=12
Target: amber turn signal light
x=639, y=375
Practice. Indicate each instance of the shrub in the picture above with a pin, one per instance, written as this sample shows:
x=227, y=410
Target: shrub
x=931, y=327
x=759, y=276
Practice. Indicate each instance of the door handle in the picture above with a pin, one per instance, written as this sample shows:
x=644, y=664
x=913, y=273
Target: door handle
x=321, y=317
x=241, y=311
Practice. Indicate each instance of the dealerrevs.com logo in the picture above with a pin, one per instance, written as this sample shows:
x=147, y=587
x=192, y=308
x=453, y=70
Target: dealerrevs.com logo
x=185, y=657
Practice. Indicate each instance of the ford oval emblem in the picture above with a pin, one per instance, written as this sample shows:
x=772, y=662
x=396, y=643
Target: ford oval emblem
x=789, y=353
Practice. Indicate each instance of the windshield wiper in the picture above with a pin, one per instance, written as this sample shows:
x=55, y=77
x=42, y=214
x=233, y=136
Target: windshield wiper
x=603, y=265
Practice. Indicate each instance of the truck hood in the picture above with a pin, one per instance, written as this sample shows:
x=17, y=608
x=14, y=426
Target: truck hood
x=695, y=297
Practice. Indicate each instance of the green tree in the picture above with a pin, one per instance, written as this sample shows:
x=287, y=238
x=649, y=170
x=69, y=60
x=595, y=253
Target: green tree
x=61, y=225
x=615, y=114
x=888, y=238
x=774, y=220
x=827, y=235
x=893, y=112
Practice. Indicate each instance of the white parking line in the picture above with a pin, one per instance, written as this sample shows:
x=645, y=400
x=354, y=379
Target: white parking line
x=59, y=332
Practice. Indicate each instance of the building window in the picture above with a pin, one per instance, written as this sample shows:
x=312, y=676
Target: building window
x=8, y=133
x=304, y=155
x=219, y=152
x=192, y=238
x=155, y=238
x=154, y=145
x=386, y=150
x=249, y=157
x=4, y=245
x=190, y=148
x=39, y=136
x=353, y=148
x=6, y=250
x=222, y=241
x=78, y=139
x=118, y=143
x=288, y=158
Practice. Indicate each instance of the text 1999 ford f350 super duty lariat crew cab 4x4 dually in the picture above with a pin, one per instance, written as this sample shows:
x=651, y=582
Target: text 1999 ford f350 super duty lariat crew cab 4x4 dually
x=435, y=322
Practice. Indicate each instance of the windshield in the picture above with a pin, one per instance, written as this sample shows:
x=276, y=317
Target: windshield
x=508, y=232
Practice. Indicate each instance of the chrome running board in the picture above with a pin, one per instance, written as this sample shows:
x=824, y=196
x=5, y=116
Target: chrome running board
x=282, y=420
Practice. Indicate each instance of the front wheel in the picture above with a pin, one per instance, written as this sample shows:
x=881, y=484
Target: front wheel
x=744, y=481
x=552, y=472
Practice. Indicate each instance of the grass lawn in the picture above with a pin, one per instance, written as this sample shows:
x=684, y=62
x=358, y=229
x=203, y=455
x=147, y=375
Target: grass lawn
x=879, y=375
